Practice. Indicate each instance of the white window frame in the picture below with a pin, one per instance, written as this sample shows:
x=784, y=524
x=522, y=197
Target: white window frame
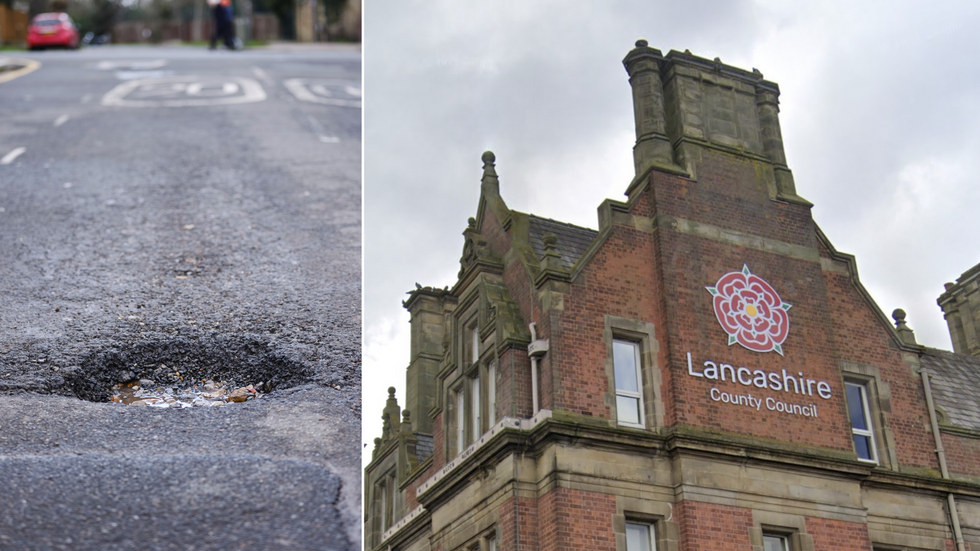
x=783, y=541
x=651, y=534
x=475, y=344
x=866, y=413
x=638, y=371
x=475, y=417
x=491, y=394
x=460, y=420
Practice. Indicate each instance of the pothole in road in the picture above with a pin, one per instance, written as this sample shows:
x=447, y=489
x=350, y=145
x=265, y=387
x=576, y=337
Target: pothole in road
x=185, y=372
x=146, y=392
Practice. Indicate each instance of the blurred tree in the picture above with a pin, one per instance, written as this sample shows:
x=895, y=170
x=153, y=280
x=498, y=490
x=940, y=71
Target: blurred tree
x=103, y=15
x=332, y=9
x=282, y=8
x=37, y=6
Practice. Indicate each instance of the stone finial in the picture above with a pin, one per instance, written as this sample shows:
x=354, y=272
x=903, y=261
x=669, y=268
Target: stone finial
x=551, y=259
x=391, y=415
x=490, y=182
x=904, y=331
x=377, y=446
x=385, y=427
x=406, y=422
x=642, y=43
x=471, y=223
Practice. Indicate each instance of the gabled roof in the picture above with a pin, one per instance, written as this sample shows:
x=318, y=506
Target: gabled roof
x=955, y=385
x=572, y=240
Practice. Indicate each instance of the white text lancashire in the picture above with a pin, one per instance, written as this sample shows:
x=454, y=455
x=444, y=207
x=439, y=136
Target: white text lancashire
x=785, y=382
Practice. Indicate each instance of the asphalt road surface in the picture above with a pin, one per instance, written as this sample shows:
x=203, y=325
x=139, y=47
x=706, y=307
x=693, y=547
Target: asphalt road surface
x=180, y=215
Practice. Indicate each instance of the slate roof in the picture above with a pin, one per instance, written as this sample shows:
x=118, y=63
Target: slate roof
x=424, y=447
x=955, y=385
x=572, y=240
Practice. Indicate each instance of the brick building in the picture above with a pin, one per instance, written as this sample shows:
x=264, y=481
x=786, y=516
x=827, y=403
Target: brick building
x=705, y=371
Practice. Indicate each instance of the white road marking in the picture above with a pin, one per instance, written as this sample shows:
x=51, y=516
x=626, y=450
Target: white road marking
x=320, y=90
x=132, y=75
x=304, y=92
x=198, y=89
x=67, y=185
x=9, y=157
x=184, y=91
x=262, y=75
x=61, y=120
x=356, y=92
x=86, y=98
x=329, y=139
x=131, y=65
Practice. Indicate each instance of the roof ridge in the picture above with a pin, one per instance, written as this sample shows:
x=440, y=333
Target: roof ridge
x=569, y=224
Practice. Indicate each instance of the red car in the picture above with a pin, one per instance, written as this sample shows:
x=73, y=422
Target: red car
x=52, y=29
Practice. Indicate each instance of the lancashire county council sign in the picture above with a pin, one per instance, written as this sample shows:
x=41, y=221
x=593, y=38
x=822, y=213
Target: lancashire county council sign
x=750, y=311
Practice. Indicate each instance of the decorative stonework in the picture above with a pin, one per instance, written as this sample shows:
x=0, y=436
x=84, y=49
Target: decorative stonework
x=750, y=311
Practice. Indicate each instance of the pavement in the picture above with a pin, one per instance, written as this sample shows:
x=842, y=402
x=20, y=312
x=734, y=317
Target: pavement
x=180, y=215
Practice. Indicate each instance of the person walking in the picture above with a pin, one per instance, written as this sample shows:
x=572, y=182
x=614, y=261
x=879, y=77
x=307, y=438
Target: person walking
x=221, y=23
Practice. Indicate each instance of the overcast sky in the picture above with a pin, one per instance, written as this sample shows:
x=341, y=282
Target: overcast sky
x=880, y=114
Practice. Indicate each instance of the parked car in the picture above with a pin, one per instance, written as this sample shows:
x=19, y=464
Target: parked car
x=52, y=29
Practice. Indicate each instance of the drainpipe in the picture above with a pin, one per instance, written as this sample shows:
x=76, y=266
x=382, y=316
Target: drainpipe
x=535, y=350
x=941, y=452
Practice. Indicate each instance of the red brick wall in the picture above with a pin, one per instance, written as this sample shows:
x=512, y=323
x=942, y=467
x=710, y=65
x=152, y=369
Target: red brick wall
x=661, y=278
x=528, y=528
x=710, y=527
x=576, y=520
x=514, y=385
x=962, y=454
x=838, y=535
x=619, y=281
x=439, y=441
x=860, y=337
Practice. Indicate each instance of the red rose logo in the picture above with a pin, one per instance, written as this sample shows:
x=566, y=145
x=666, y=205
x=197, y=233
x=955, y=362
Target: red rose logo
x=750, y=311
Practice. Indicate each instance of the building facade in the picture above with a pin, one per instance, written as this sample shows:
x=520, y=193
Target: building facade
x=705, y=371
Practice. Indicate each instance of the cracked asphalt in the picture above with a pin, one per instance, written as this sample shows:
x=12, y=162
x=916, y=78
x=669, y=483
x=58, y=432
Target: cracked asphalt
x=180, y=235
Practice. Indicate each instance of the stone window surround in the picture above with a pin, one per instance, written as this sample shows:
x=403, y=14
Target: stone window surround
x=463, y=385
x=387, y=485
x=792, y=527
x=658, y=514
x=644, y=334
x=879, y=406
x=885, y=547
x=482, y=542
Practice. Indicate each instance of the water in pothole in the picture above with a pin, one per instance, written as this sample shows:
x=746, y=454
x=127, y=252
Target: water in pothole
x=208, y=394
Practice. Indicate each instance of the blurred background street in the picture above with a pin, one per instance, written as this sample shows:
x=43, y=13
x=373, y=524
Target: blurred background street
x=174, y=22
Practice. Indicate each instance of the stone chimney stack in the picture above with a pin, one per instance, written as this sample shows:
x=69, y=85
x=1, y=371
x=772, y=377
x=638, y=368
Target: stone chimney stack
x=961, y=308
x=652, y=145
x=428, y=308
x=683, y=103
